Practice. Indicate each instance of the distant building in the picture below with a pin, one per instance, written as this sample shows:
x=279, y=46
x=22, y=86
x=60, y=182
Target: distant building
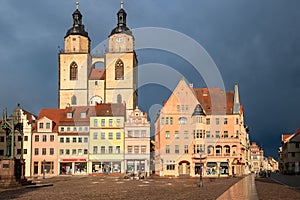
x=257, y=158
x=289, y=153
x=137, y=142
x=201, y=129
x=272, y=164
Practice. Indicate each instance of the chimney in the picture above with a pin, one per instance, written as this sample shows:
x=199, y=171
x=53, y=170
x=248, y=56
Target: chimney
x=191, y=85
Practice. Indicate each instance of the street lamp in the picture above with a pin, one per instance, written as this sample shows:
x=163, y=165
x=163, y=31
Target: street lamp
x=44, y=171
x=201, y=180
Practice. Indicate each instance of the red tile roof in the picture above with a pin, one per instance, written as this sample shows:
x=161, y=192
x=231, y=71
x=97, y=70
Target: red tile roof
x=97, y=74
x=76, y=118
x=52, y=114
x=110, y=109
x=215, y=100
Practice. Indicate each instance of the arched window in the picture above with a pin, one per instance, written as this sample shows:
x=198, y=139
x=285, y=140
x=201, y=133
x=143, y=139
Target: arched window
x=119, y=70
x=119, y=98
x=182, y=120
x=73, y=100
x=73, y=71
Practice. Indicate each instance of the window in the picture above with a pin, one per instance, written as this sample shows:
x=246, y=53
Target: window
x=62, y=129
x=24, y=151
x=119, y=70
x=47, y=125
x=217, y=121
x=198, y=120
x=86, y=129
x=176, y=134
x=118, y=123
x=95, y=149
x=67, y=151
x=182, y=120
x=186, y=108
x=73, y=101
x=297, y=145
x=51, y=151
x=102, y=122
x=167, y=134
x=225, y=134
x=162, y=121
x=167, y=120
x=136, y=133
x=80, y=140
x=110, y=122
x=73, y=151
x=70, y=114
x=73, y=71
x=182, y=108
x=186, y=135
x=61, y=140
x=237, y=134
x=61, y=152
x=74, y=139
x=143, y=133
x=102, y=135
x=1, y=152
x=36, y=151
x=19, y=138
x=41, y=125
x=43, y=151
x=86, y=140
x=51, y=138
x=44, y=138
x=167, y=149
x=110, y=135
x=79, y=152
x=95, y=136
x=36, y=138
x=186, y=149
x=110, y=149
x=67, y=140
x=25, y=138
x=83, y=115
x=2, y=138
x=129, y=149
x=136, y=149
x=208, y=121
x=95, y=122
x=143, y=149
x=171, y=120
x=236, y=120
x=68, y=129
x=225, y=121
x=293, y=154
x=217, y=134
x=118, y=149
x=19, y=151
x=85, y=152
x=102, y=149
x=170, y=167
x=176, y=149
x=119, y=98
x=118, y=135
x=80, y=129
x=130, y=133
x=178, y=107
x=207, y=134
x=75, y=129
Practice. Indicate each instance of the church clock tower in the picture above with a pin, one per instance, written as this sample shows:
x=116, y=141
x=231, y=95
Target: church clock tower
x=74, y=65
x=121, y=74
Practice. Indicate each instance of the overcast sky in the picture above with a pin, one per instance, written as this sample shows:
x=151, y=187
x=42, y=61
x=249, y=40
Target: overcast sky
x=255, y=43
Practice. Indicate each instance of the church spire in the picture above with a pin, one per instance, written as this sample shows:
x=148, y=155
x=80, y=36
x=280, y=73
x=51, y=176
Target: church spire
x=236, y=108
x=121, y=26
x=78, y=27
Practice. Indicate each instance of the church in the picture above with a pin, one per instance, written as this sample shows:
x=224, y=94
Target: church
x=80, y=83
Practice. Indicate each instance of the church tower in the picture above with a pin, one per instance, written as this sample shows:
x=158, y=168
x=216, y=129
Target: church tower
x=74, y=65
x=121, y=74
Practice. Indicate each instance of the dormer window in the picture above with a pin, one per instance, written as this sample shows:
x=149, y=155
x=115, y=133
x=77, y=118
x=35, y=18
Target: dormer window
x=69, y=115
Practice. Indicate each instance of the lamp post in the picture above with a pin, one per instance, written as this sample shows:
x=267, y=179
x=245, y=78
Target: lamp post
x=201, y=181
x=44, y=171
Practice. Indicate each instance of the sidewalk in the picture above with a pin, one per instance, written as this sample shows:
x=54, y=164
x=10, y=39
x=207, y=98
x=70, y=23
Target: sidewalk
x=244, y=189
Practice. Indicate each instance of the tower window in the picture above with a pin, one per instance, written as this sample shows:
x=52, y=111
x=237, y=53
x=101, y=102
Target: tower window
x=73, y=100
x=119, y=70
x=119, y=98
x=73, y=71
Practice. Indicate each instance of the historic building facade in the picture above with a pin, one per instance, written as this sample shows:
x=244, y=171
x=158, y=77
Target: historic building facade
x=137, y=143
x=82, y=84
x=257, y=157
x=201, y=130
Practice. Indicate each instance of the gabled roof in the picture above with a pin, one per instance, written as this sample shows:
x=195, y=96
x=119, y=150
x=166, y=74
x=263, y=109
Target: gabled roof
x=52, y=114
x=76, y=118
x=215, y=100
x=110, y=109
x=97, y=74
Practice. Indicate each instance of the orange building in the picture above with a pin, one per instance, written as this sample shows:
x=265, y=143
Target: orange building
x=201, y=130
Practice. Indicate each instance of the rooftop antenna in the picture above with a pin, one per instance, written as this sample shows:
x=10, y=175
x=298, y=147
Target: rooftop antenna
x=121, y=4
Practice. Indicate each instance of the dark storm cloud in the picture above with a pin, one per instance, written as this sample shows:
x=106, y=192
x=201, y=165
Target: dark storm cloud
x=255, y=43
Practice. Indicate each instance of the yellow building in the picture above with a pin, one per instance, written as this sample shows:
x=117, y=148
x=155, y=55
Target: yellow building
x=201, y=130
x=106, y=145
x=83, y=84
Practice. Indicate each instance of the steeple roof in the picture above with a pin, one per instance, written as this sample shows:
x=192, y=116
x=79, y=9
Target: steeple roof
x=78, y=27
x=121, y=26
